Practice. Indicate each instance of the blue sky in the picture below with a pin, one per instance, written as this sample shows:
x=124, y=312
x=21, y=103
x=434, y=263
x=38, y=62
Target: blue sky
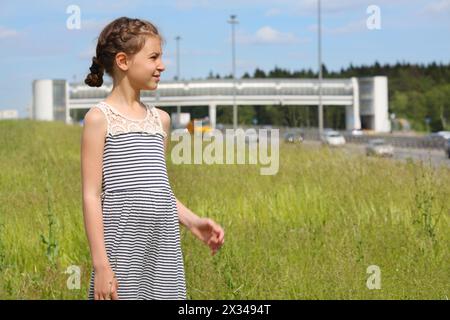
x=35, y=42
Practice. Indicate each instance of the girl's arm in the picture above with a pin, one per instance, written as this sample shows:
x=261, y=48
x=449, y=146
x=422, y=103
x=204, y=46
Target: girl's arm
x=205, y=229
x=92, y=143
x=186, y=216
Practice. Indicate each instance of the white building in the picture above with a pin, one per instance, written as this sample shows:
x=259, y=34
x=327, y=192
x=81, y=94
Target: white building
x=9, y=114
x=365, y=99
x=51, y=100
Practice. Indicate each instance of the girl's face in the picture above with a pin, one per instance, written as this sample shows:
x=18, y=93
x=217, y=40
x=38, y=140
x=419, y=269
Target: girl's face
x=146, y=66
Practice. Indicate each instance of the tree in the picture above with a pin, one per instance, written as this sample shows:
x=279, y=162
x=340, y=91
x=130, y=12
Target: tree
x=259, y=73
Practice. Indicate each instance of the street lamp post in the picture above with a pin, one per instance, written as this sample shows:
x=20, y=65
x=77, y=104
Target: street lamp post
x=233, y=21
x=178, y=38
x=319, y=33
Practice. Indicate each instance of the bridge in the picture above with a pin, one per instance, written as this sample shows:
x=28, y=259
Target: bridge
x=365, y=99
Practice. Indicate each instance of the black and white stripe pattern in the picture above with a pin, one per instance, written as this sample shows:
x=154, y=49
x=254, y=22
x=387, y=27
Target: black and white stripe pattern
x=140, y=218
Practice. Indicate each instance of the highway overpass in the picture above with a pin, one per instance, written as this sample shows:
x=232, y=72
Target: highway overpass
x=365, y=99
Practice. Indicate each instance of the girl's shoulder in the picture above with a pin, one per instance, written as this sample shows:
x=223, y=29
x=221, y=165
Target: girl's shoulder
x=163, y=115
x=100, y=111
x=96, y=113
x=95, y=122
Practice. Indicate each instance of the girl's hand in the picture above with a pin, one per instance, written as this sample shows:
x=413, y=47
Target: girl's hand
x=105, y=284
x=209, y=232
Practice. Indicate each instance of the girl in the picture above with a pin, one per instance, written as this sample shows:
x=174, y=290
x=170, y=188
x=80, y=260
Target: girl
x=131, y=215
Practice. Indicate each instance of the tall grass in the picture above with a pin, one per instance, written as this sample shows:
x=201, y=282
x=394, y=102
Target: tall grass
x=309, y=232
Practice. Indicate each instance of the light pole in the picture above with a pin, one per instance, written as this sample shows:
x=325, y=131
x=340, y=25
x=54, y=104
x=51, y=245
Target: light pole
x=178, y=38
x=320, y=66
x=233, y=21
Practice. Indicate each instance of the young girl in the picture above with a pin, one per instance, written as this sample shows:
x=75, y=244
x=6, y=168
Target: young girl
x=131, y=215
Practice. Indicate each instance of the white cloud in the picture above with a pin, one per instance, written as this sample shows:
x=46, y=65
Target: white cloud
x=267, y=35
x=438, y=7
x=8, y=33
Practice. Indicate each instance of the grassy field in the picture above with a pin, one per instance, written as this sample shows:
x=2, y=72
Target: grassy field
x=309, y=232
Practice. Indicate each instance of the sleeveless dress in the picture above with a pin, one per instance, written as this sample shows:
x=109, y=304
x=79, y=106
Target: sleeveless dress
x=140, y=217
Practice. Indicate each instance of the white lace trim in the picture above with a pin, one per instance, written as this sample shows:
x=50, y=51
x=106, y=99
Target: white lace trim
x=118, y=123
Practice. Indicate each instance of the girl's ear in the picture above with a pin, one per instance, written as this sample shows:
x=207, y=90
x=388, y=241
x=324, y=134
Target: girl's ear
x=122, y=61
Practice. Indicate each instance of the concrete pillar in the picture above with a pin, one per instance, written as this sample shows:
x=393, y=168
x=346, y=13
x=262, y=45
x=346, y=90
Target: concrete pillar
x=178, y=116
x=43, y=100
x=212, y=115
x=381, y=104
x=68, y=119
x=355, y=108
x=349, y=118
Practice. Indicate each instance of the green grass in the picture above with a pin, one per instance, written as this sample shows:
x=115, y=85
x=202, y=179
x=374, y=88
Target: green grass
x=309, y=232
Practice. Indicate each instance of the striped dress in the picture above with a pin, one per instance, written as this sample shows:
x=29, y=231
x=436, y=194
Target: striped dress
x=140, y=217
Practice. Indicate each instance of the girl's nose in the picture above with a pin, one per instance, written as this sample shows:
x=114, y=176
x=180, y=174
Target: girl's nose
x=162, y=67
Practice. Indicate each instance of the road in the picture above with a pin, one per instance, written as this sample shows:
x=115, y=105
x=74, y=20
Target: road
x=435, y=157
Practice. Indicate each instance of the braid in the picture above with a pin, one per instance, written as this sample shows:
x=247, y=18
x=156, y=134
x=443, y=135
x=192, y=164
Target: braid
x=95, y=78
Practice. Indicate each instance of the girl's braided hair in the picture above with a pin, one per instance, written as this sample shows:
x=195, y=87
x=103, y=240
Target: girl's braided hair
x=121, y=35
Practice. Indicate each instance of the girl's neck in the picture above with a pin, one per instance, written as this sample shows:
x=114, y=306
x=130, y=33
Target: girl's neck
x=123, y=94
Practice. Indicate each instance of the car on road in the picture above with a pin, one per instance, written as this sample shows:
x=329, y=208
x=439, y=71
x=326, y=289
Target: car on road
x=357, y=132
x=444, y=134
x=438, y=139
x=379, y=147
x=332, y=138
x=440, y=135
x=293, y=137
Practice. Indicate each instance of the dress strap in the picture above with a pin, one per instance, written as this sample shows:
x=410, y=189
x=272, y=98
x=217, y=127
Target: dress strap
x=106, y=112
x=158, y=118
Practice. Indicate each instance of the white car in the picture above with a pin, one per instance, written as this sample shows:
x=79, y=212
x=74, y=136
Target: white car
x=379, y=147
x=444, y=134
x=332, y=138
x=357, y=132
x=440, y=135
x=293, y=137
